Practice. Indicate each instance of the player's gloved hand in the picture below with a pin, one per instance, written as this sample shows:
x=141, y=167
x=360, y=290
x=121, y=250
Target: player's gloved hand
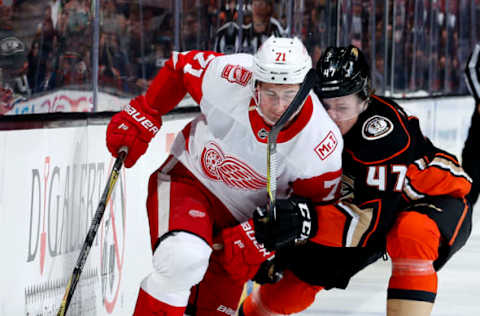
x=239, y=253
x=134, y=128
x=269, y=272
x=292, y=221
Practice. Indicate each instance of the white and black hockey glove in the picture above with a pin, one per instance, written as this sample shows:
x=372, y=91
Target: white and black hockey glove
x=292, y=221
x=472, y=73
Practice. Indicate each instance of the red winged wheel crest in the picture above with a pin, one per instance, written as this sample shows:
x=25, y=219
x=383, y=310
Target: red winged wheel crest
x=234, y=173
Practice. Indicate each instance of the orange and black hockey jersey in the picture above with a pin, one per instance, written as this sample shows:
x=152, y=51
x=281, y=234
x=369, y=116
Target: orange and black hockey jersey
x=388, y=165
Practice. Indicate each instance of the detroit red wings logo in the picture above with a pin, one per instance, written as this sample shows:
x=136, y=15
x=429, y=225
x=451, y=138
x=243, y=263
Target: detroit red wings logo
x=234, y=173
x=236, y=74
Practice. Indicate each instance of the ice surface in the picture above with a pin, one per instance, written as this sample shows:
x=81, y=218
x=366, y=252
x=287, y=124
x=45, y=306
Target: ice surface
x=458, y=289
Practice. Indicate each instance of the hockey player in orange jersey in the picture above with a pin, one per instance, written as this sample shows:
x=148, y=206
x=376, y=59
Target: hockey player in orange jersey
x=401, y=196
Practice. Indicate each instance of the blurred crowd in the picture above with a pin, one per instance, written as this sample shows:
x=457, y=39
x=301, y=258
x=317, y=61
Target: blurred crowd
x=48, y=44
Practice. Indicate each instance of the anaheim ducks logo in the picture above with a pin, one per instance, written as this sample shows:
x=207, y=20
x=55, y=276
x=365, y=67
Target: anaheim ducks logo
x=376, y=127
x=220, y=167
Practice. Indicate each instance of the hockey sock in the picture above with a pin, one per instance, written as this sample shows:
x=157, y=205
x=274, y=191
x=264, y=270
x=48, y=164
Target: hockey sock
x=288, y=296
x=413, y=246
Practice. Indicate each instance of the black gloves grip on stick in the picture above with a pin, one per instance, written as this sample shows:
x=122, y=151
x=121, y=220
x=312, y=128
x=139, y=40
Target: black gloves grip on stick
x=291, y=222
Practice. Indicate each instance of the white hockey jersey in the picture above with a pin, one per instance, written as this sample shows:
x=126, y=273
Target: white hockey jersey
x=225, y=147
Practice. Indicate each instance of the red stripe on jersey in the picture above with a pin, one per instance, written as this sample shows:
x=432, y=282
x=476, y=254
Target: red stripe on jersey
x=152, y=208
x=186, y=134
x=319, y=189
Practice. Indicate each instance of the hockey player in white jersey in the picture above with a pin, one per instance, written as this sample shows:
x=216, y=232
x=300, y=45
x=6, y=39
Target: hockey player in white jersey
x=206, y=192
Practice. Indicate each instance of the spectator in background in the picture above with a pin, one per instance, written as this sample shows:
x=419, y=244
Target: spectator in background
x=74, y=66
x=227, y=38
x=139, y=48
x=229, y=12
x=13, y=61
x=42, y=51
x=112, y=21
x=145, y=43
x=263, y=25
x=259, y=25
x=75, y=23
x=314, y=35
x=163, y=48
x=112, y=61
x=192, y=37
x=378, y=76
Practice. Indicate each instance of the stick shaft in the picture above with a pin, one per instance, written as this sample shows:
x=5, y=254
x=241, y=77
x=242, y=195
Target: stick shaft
x=92, y=232
x=297, y=101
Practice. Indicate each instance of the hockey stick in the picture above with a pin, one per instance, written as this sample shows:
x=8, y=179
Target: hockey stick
x=300, y=97
x=472, y=73
x=92, y=232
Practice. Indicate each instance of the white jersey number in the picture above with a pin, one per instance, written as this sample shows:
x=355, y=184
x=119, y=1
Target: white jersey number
x=200, y=57
x=377, y=177
x=333, y=186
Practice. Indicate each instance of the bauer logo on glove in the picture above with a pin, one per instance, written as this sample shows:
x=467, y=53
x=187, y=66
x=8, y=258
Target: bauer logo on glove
x=133, y=128
x=142, y=119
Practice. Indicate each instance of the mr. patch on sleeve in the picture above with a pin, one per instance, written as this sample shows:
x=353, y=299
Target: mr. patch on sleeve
x=326, y=146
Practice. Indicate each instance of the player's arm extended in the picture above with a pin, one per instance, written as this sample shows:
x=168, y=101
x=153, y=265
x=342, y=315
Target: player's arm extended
x=340, y=224
x=182, y=73
x=141, y=119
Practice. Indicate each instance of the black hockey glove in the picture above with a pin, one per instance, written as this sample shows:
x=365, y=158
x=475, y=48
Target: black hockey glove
x=291, y=221
x=269, y=272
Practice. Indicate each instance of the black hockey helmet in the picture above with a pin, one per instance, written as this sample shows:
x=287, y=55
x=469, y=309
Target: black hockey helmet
x=342, y=71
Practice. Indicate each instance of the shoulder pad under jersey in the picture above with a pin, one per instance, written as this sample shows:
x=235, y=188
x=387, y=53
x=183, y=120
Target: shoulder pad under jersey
x=227, y=75
x=380, y=134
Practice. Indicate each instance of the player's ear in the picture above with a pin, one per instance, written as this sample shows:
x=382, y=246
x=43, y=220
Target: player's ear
x=256, y=93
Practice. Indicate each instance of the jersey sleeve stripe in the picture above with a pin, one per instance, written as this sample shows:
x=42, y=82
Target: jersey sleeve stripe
x=459, y=224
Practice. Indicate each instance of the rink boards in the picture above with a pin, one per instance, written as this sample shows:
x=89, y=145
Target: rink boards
x=50, y=183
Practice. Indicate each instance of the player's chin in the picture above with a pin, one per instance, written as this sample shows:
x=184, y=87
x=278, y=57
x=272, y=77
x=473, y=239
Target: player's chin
x=343, y=127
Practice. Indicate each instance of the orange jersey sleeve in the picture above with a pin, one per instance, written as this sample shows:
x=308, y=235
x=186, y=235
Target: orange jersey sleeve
x=439, y=175
x=345, y=224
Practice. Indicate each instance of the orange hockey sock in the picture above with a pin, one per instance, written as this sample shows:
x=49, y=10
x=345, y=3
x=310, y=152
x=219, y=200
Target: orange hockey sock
x=413, y=246
x=288, y=296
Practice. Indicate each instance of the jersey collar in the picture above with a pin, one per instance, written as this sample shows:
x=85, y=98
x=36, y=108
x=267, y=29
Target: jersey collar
x=260, y=129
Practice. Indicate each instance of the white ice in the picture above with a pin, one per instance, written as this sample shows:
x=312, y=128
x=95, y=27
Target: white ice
x=458, y=288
